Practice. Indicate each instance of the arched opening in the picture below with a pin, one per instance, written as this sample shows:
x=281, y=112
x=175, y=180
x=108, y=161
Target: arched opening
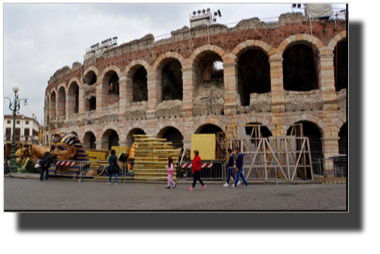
x=136, y=131
x=311, y=131
x=110, y=88
x=90, y=78
x=299, y=69
x=173, y=135
x=140, y=85
x=113, y=140
x=171, y=83
x=209, y=84
x=89, y=141
x=73, y=98
x=342, y=68
x=61, y=102
x=253, y=75
x=343, y=137
x=208, y=129
x=52, y=106
x=257, y=132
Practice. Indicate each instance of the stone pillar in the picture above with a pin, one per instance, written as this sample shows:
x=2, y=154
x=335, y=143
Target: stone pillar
x=102, y=145
x=129, y=141
x=154, y=93
x=330, y=147
x=101, y=99
x=70, y=105
x=230, y=86
x=326, y=79
x=189, y=82
x=277, y=90
x=124, y=94
x=52, y=110
x=81, y=102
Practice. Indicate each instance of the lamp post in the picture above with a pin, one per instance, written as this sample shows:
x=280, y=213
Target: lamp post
x=14, y=107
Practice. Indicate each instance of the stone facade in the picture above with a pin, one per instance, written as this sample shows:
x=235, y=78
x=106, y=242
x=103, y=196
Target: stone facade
x=219, y=105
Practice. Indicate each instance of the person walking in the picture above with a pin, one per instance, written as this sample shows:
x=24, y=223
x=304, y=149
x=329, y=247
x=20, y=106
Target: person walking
x=170, y=168
x=113, y=167
x=230, y=167
x=239, y=169
x=196, y=164
x=45, y=164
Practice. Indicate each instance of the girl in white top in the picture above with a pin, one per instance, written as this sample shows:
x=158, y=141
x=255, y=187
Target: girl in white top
x=170, y=168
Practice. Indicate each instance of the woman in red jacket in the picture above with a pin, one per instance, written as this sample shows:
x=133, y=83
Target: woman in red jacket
x=196, y=171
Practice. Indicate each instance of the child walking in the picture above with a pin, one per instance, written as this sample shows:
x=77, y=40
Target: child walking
x=170, y=168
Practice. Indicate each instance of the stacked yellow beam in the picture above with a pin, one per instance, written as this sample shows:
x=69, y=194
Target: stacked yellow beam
x=151, y=157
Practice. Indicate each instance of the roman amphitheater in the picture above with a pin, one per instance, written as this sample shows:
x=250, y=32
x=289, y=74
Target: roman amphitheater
x=272, y=73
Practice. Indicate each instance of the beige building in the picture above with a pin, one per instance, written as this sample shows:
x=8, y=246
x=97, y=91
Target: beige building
x=26, y=129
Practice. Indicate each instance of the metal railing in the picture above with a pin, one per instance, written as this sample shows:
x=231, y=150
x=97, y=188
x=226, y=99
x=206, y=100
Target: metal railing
x=331, y=167
x=217, y=172
x=24, y=139
x=99, y=170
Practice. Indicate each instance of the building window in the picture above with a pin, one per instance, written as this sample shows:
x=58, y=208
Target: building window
x=18, y=122
x=27, y=122
x=9, y=121
x=8, y=134
x=17, y=134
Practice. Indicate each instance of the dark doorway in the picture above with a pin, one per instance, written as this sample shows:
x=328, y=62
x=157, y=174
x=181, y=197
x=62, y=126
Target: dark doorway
x=113, y=140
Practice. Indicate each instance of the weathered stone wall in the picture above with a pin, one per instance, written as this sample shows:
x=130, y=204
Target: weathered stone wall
x=204, y=102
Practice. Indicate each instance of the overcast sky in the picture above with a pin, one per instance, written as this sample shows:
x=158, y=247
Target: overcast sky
x=42, y=38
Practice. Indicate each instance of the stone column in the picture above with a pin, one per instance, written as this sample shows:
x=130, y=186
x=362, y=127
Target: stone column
x=100, y=99
x=277, y=90
x=102, y=145
x=230, y=86
x=70, y=105
x=154, y=94
x=326, y=79
x=81, y=102
x=330, y=147
x=189, y=82
x=129, y=141
x=124, y=94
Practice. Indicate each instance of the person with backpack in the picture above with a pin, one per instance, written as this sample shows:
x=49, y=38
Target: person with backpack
x=230, y=167
x=113, y=167
x=196, y=164
x=170, y=168
x=239, y=169
x=45, y=164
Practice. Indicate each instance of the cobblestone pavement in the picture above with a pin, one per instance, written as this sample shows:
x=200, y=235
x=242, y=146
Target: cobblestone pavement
x=32, y=194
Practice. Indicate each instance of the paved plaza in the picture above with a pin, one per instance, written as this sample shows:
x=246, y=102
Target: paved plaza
x=32, y=194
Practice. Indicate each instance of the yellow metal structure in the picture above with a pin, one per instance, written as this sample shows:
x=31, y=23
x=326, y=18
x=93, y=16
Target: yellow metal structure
x=205, y=144
x=151, y=156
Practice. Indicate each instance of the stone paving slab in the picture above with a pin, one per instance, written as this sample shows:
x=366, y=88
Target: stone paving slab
x=32, y=194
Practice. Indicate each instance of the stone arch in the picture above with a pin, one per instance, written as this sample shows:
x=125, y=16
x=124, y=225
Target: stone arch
x=160, y=129
x=251, y=44
x=134, y=66
x=51, y=92
x=61, y=101
x=337, y=39
x=321, y=125
x=200, y=52
x=108, y=128
x=62, y=85
x=74, y=80
x=87, y=79
x=202, y=122
x=300, y=73
x=88, y=140
x=172, y=134
x=253, y=69
x=73, y=96
x=53, y=104
x=304, y=39
x=137, y=80
x=253, y=119
x=107, y=134
x=106, y=77
x=162, y=60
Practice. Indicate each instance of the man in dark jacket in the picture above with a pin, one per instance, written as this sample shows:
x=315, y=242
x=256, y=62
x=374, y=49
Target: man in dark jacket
x=45, y=164
x=239, y=169
x=230, y=167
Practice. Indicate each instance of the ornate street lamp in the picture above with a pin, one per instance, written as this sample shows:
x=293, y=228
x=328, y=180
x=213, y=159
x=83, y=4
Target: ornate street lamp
x=14, y=107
